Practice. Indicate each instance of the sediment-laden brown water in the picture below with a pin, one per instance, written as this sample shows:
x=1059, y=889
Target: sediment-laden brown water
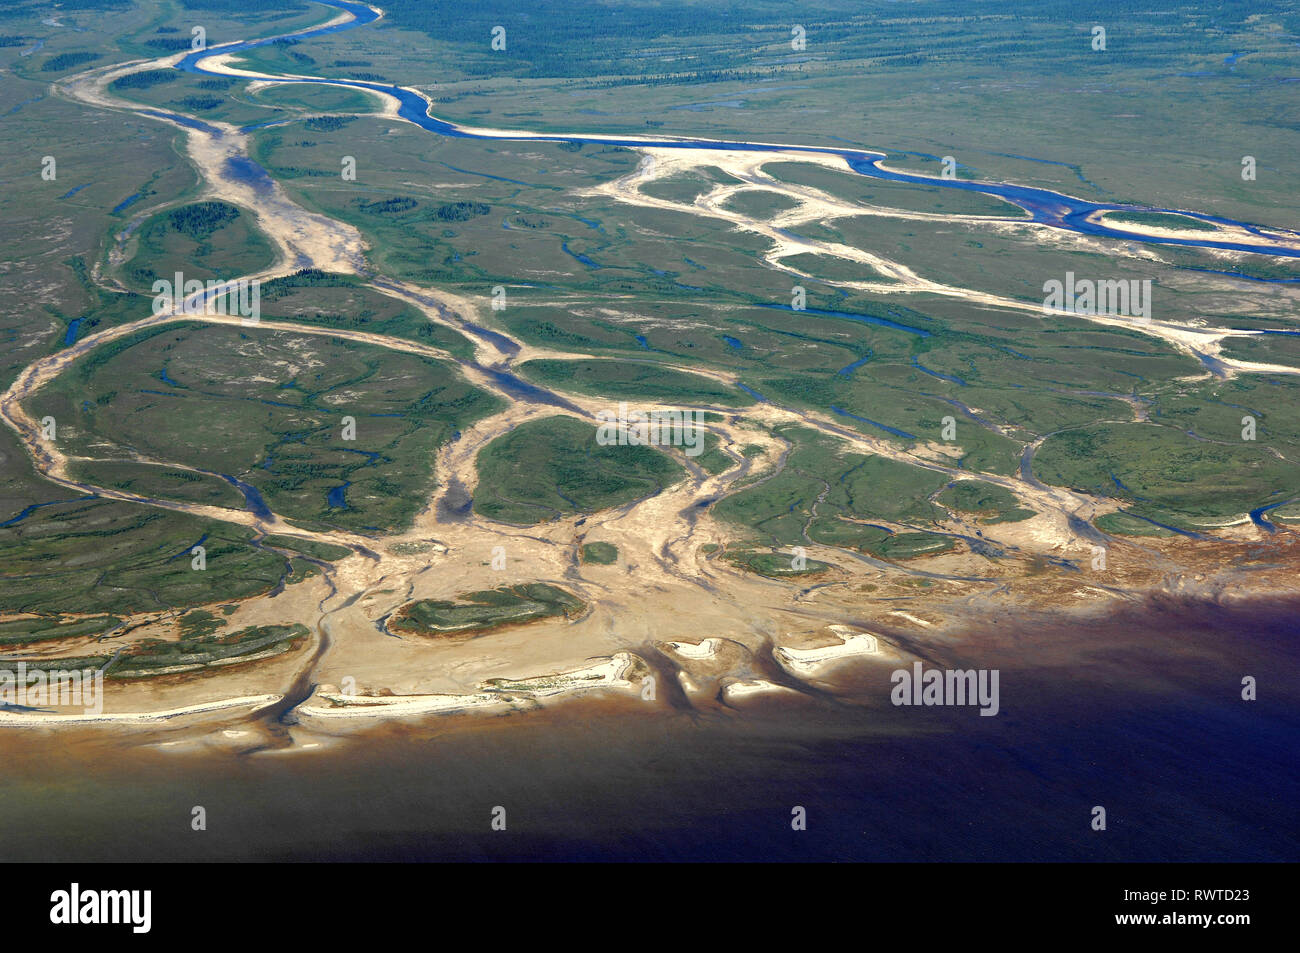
x=1140, y=712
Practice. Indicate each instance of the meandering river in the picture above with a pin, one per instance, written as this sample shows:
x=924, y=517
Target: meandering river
x=1045, y=207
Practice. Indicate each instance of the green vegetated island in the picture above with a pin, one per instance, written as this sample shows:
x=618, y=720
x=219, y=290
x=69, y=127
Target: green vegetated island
x=478, y=612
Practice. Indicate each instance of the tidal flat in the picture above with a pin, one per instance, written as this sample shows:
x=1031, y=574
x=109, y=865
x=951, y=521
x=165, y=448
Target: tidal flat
x=1131, y=711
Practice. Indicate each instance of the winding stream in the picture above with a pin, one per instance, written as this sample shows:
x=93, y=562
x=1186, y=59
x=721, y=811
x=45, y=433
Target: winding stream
x=1045, y=207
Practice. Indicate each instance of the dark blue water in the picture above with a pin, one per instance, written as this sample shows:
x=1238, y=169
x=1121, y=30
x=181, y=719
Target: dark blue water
x=1257, y=516
x=752, y=393
x=732, y=343
x=252, y=498
x=848, y=371
x=70, y=336
x=187, y=121
x=127, y=201
x=502, y=343
x=249, y=172
x=1212, y=364
x=1043, y=205
x=28, y=511
x=864, y=318
x=336, y=498
x=594, y=266
x=187, y=550
x=370, y=455
x=1138, y=711
x=1064, y=211
x=71, y=192
x=527, y=392
x=943, y=377
x=25, y=102
x=1190, y=534
x=875, y=423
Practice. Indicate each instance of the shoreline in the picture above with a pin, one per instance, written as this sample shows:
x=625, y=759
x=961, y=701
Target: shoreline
x=837, y=652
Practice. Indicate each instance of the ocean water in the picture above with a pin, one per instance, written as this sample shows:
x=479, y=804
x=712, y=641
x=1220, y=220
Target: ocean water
x=1140, y=713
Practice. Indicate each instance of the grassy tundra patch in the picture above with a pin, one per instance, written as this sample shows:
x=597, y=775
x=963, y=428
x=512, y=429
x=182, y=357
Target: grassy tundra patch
x=204, y=241
x=600, y=554
x=267, y=408
x=545, y=469
x=990, y=503
x=97, y=556
x=477, y=612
